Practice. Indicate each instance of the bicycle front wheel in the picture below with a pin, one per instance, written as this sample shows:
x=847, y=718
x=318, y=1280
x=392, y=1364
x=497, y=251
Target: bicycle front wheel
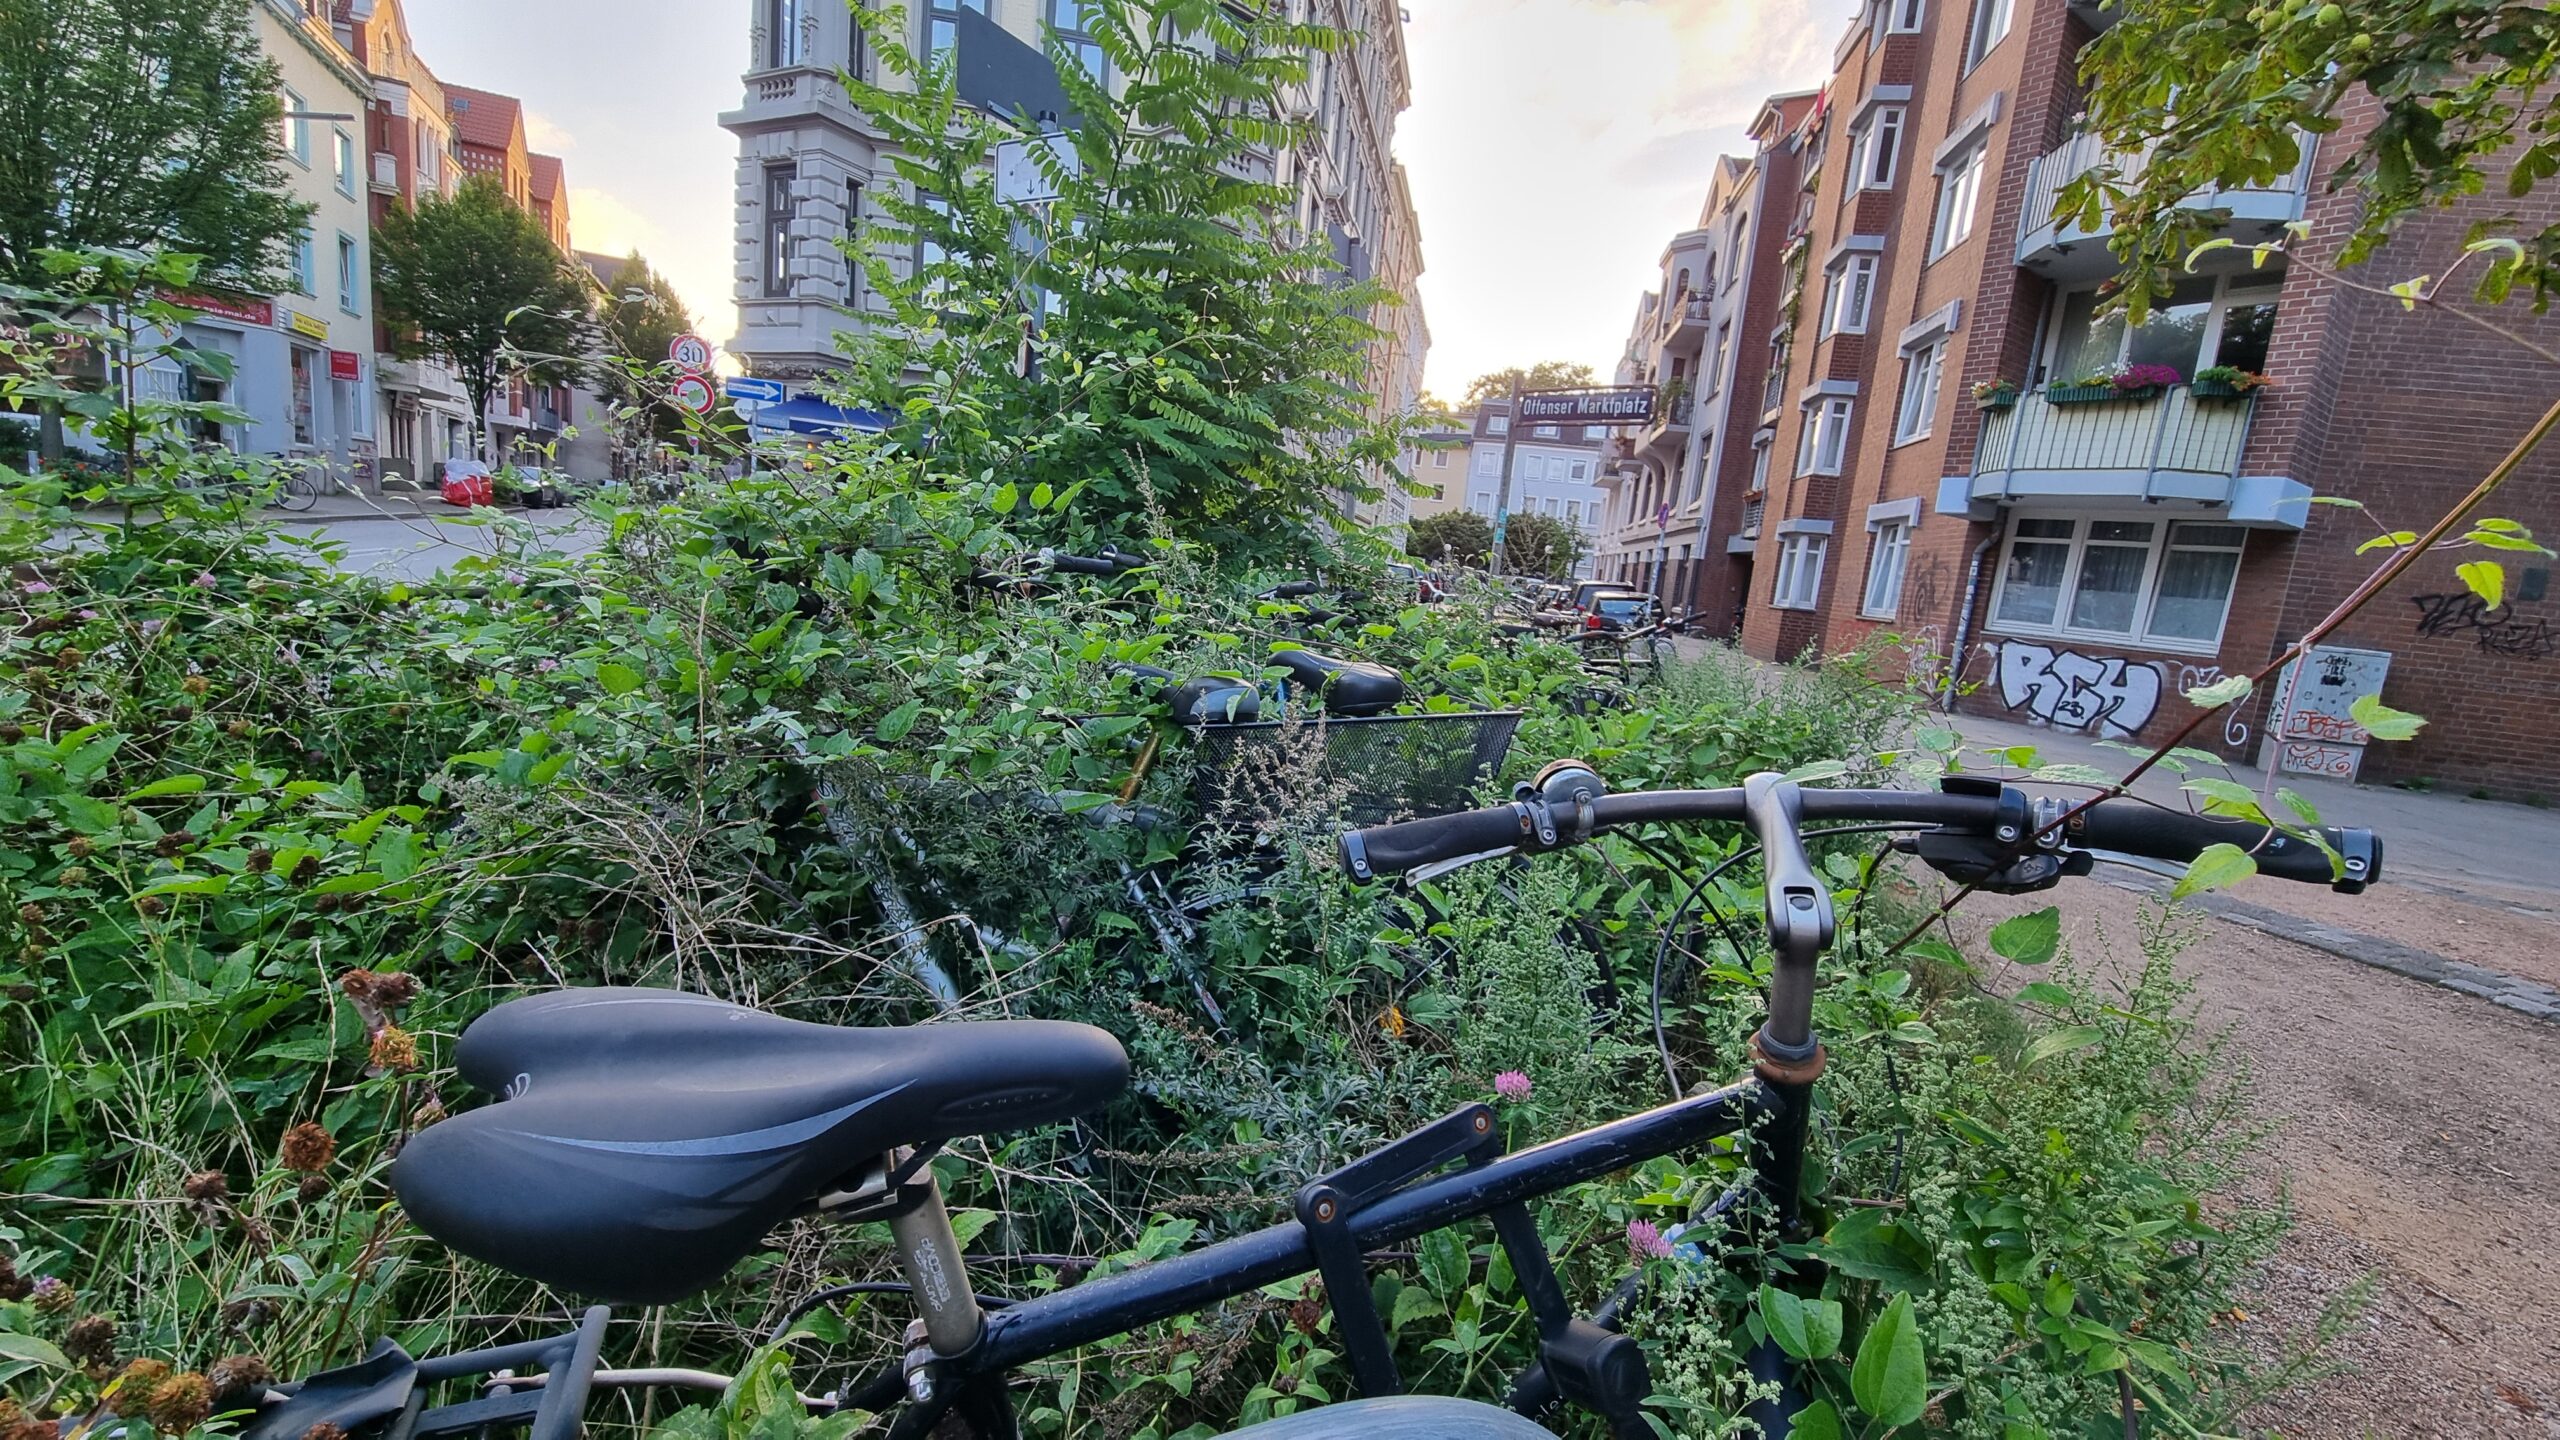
x=300, y=492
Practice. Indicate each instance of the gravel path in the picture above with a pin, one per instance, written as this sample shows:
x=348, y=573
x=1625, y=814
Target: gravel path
x=2416, y=1141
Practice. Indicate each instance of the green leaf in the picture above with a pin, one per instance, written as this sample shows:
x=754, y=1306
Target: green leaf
x=1819, y=1421
x=2384, y=723
x=2067, y=1040
x=1979, y=1132
x=1041, y=495
x=2029, y=939
x=2219, y=868
x=174, y=785
x=2230, y=690
x=1783, y=1314
x=1006, y=499
x=2044, y=992
x=1891, y=1377
x=1867, y=1244
x=32, y=1350
x=2397, y=539
x=617, y=679
x=2074, y=775
x=894, y=726
x=1818, y=770
x=2487, y=579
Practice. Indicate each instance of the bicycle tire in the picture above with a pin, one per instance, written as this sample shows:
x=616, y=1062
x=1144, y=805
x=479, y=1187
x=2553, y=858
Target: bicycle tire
x=299, y=493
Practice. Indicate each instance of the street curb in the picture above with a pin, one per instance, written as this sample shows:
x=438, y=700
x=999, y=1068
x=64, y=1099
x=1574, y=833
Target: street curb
x=2525, y=997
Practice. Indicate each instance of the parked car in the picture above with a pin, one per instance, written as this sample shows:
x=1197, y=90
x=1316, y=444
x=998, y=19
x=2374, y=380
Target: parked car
x=1624, y=610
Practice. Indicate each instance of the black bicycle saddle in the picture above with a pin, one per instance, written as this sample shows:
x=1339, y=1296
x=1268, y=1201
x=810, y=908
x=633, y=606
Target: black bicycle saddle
x=1351, y=688
x=645, y=1140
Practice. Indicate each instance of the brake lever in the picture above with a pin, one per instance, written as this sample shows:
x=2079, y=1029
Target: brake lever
x=1425, y=874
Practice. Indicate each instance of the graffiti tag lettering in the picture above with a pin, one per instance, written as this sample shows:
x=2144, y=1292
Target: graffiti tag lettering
x=2337, y=762
x=2498, y=632
x=2072, y=691
x=2235, y=733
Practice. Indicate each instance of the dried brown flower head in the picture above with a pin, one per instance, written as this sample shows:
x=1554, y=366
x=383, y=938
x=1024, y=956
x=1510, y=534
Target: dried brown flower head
x=80, y=846
x=243, y=1316
x=179, y=1404
x=30, y=914
x=312, y=1190
x=72, y=877
x=13, y=1286
x=308, y=1149
x=132, y=1387
x=260, y=861
x=53, y=1297
x=90, y=1340
x=236, y=1379
x=32, y=1430
x=306, y=870
x=12, y=734
x=205, y=1185
x=195, y=685
x=395, y=1050
x=151, y=907
x=324, y=1431
x=431, y=1112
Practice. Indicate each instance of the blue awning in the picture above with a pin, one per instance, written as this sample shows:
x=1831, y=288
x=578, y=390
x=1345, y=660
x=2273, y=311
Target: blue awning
x=809, y=415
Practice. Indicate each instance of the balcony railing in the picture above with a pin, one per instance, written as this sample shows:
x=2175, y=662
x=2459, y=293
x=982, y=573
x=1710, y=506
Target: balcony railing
x=1753, y=510
x=386, y=170
x=1774, y=393
x=2173, y=447
x=2044, y=243
x=1681, y=318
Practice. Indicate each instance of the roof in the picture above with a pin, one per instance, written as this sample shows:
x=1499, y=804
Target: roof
x=480, y=117
x=547, y=175
x=603, y=267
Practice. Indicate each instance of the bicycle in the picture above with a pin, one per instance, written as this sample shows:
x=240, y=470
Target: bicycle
x=649, y=1139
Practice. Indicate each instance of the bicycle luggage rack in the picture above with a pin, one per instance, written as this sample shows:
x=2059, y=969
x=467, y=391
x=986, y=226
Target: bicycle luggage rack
x=1594, y=1368
x=388, y=1385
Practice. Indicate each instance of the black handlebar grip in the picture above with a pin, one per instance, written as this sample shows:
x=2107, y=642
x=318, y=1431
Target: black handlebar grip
x=1295, y=590
x=1083, y=565
x=2138, y=829
x=1395, y=849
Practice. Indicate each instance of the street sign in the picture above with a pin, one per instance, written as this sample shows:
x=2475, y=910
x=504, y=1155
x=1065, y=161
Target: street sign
x=1020, y=180
x=1624, y=405
x=1662, y=517
x=691, y=353
x=692, y=393
x=764, y=392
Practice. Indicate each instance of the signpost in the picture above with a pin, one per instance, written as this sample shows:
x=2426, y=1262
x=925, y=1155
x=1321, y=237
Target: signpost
x=1613, y=405
x=692, y=393
x=747, y=396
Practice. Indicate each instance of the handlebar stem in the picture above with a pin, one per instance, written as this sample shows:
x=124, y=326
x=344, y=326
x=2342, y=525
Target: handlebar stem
x=1798, y=910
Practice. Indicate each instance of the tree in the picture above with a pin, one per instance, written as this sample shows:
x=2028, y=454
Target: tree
x=141, y=125
x=475, y=282
x=2216, y=92
x=1545, y=375
x=1455, y=537
x=1150, y=353
x=1541, y=545
x=642, y=317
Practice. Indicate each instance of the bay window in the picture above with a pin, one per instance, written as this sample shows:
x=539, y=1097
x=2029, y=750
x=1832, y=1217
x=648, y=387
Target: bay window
x=1990, y=26
x=2166, y=583
x=1849, y=291
x=781, y=183
x=2204, y=321
x=1959, y=194
x=1826, y=436
x=1923, y=367
x=1874, y=144
x=1799, y=581
x=783, y=34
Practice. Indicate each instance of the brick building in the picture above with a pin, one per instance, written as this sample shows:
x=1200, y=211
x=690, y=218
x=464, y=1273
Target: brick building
x=2079, y=556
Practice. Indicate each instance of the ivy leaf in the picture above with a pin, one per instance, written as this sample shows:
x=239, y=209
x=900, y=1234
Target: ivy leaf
x=2230, y=690
x=2384, y=723
x=2487, y=579
x=2068, y=1040
x=2029, y=939
x=2219, y=868
x=1891, y=1377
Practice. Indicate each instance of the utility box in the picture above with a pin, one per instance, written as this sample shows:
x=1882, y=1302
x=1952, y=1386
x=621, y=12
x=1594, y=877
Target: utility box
x=2314, y=731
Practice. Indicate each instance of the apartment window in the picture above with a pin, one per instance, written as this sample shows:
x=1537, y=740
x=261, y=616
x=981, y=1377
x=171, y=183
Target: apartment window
x=1873, y=148
x=1488, y=462
x=1581, y=469
x=1799, y=581
x=1067, y=19
x=350, y=277
x=2166, y=583
x=430, y=160
x=1551, y=507
x=1759, y=468
x=1498, y=425
x=1439, y=459
x=783, y=34
x=1886, y=561
x=942, y=25
x=1484, y=502
x=1594, y=434
x=1851, y=290
x=1547, y=432
x=1826, y=436
x=1959, y=195
x=1990, y=24
x=2227, y=321
x=1573, y=513
x=344, y=158
x=780, y=181
x=1922, y=370
x=1906, y=15
x=296, y=132
x=306, y=266
x=303, y=365
x=1715, y=367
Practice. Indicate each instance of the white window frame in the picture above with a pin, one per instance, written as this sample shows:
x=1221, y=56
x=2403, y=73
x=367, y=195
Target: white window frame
x=781, y=182
x=1760, y=466
x=2244, y=288
x=2139, y=637
x=1888, y=562
x=1488, y=462
x=1497, y=425
x=1873, y=165
x=1959, y=197
x=306, y=264
x=350, y=273
x=1924, y=369
x=342, y=156
x=1991, y=21
x=1904, y=16
x=1077, y=39
x=295, y=134
x=1823, y=448
x=1798, y=583
x=1716, y=366
x=1851, y=283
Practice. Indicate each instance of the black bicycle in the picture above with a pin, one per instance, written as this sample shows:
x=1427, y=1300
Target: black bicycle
x=645, y=1141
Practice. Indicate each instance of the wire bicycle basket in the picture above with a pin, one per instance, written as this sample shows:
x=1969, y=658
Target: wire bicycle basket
x=1365, y=771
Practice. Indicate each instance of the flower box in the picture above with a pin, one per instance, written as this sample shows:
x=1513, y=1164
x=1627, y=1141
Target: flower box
x=2218, y=390
x=1994, y=404
x=2083, y=394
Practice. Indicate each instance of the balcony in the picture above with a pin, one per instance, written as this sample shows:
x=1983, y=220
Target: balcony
x=386, y=172
x=2176, y=448
x=2062, y=251
x=1684, y=322
x=1668, y=431
x=777, y=96
x=1746, y=536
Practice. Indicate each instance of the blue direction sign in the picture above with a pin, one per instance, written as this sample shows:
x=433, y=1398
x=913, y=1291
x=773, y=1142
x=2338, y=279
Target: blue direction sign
x=762, y=392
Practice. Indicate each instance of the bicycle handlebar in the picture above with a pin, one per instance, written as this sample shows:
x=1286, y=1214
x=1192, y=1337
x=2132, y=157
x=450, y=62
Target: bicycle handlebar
x=2126, y=827
x=1105, y=565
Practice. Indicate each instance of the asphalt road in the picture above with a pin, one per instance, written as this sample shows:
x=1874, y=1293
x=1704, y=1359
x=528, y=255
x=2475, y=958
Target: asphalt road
x=420, y=548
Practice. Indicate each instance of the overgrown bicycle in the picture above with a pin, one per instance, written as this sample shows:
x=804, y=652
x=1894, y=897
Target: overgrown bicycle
x=645, y=1141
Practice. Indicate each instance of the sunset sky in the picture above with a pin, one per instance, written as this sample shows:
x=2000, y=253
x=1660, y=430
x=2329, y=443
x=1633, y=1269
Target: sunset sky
x=1554, y=145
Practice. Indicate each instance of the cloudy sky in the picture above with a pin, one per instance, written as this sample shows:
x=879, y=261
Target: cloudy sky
x=1554, y=145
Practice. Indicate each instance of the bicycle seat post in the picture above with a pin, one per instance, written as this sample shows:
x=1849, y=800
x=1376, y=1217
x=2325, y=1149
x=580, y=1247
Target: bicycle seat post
x=929, y=1253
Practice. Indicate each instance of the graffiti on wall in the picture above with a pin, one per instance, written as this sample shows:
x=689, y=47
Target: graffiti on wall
x=2071, y=691
x=2235, y=731
x=2310, y=757
x=2499, y=631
